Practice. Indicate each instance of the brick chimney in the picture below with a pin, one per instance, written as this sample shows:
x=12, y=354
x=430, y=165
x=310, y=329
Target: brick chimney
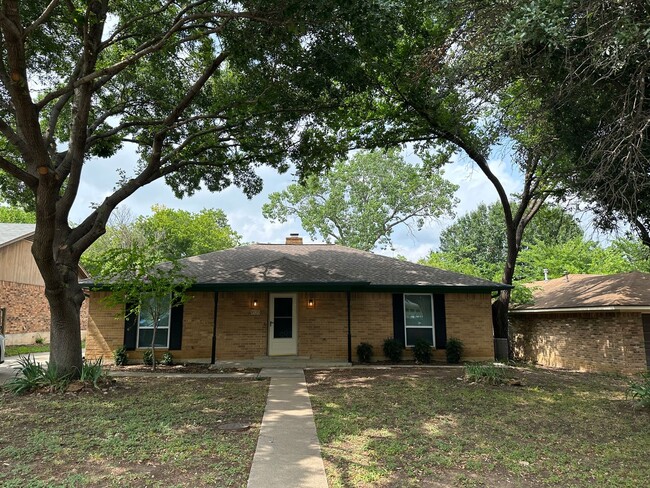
x=294, y=240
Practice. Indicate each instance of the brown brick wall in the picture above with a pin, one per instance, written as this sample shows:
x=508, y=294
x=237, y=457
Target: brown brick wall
x=106, y=329
x=372, y=321
x=242, y=331
x=28, y=310
x=469, y=318
x=323, y=329
x=597, y=341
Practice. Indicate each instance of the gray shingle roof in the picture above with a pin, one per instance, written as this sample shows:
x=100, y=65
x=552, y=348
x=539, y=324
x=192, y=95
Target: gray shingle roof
x=13, y=232
x=326, y=264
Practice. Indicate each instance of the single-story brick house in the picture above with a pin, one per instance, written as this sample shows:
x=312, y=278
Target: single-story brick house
x=586, y=322
x=307, y=300
x=22, y=290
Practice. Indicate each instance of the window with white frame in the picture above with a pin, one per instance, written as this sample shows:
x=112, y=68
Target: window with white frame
x=150, y=307
x=418, y=318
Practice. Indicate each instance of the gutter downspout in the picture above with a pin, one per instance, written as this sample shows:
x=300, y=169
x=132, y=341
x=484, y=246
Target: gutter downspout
x=214, y=329
x=349, y=329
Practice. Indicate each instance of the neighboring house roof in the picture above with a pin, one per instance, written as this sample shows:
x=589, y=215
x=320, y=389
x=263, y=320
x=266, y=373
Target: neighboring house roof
x=318, y=265
x=589, y=292
x=10, y=233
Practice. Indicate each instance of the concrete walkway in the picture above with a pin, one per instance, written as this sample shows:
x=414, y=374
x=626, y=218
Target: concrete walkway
x=288, y=452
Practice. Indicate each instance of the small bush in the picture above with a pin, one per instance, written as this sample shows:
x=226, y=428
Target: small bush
x=454, y=350
x=167, y=359
x=92, y=372
x=422, y=351
x=364, y=352
x=39, y=340
x=120, y=356
x=485, y=373
x=393, y=349
x=29, y=376
x=639, y=389
x=53, y=380
x=148, y=357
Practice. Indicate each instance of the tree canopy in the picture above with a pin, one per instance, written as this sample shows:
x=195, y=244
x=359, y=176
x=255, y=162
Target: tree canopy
x=579, y=69
x=474, y=243
x=174, y=234
x=16, y=215
x=204, y=92
x=360, y=201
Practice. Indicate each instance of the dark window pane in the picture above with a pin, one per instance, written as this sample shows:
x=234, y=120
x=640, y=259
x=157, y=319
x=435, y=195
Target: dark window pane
x=283, y=328
x=417, y=310
x=283, y=307
x=413, y=335
x=144, y=338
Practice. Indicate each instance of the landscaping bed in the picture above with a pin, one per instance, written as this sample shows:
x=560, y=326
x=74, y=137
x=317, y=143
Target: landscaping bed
x=140, y=431
x=430, y=427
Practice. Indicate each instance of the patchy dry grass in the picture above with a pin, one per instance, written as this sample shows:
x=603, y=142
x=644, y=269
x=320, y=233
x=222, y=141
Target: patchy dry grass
x=424, y=427
x=140, y=432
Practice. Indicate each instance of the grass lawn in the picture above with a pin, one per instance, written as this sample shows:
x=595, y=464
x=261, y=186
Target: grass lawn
x=24, y=350
x=424, y=427
x=140, y=432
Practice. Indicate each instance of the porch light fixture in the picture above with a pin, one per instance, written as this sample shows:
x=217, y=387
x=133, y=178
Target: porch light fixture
x=310, y=303
x=254, y=304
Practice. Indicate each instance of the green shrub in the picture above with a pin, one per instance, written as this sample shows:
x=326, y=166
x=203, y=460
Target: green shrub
x=485, y=373
x=92, y=372
x=422, y=351
x=120, y=356
x=29, y=376
x=454, y=350
x=393, y=349
x=167, y=359
x=53, y=380
x=364, y=352
x=148, y=357
x=39, y=340
x=640, y=389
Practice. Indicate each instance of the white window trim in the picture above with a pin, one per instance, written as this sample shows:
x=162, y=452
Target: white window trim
x=168, y=327
x=433, y=319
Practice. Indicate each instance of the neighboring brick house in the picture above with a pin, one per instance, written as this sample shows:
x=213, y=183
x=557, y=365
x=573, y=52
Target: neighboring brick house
x=586, y=322
x=313, y=301
x=22, y=291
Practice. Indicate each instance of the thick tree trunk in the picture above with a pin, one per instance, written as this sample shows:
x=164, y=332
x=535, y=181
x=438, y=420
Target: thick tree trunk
x=65, y=329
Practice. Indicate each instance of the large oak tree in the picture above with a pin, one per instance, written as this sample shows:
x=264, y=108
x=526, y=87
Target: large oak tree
x=204, y=90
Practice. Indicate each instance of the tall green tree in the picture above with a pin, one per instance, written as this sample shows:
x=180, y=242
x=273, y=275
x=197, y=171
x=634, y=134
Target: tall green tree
x=476, y=240
x=16, y=215
x=580, y=69
x=420, y=92
x=581, y=256
x=174, y=233
x=360, y=201
x=204, y=92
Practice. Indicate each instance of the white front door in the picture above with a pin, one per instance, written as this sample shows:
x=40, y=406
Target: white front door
x=283, y=337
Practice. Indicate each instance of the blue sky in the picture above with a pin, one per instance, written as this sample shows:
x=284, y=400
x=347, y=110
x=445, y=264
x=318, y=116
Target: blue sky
x=245, y=215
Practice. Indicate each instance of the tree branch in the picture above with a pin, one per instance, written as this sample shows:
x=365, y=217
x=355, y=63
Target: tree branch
x=43, y=17
x=15, y=171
